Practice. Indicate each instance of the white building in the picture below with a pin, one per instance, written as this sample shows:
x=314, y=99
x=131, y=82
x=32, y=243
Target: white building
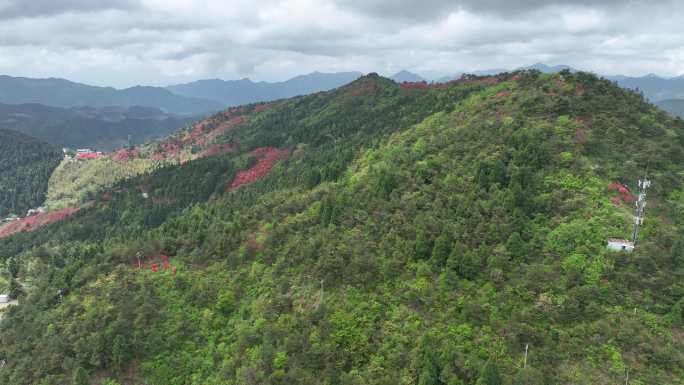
x=4, y=298
x=620, y=245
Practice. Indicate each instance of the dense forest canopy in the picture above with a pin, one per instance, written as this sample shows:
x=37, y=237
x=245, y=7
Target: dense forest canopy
x=26, y=164
x=406, y=234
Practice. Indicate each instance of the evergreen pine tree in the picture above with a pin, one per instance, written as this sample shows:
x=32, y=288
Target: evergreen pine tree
x=489, y=375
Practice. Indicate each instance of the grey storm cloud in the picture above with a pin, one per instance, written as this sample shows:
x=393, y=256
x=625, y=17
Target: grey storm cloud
x=169, y=41
x=34, y=8
x=427, y=10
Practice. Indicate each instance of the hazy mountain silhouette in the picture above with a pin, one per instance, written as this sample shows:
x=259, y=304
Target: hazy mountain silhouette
x=64, y=93
x=406, y=76
x=245, y=91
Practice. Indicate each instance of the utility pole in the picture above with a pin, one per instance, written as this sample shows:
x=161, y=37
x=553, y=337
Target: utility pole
x=139, y=255
x=527, y=346
x=644, y=184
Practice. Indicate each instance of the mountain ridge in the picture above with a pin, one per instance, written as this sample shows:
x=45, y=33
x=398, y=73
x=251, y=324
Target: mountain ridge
x=64, y=93
x=245, y=91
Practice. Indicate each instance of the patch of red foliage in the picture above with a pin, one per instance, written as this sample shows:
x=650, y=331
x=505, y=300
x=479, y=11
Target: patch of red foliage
x=167, y=150
x=486, y=80
x=155, y=264
x=229, y=125
x=124, y=155
x=502, y=94
x=36, y=221
x=625, y=195
x=216, y=149
x=262, y=107
x=414, y=85
x=369, y=86
x=268, y=157
x=88, y=156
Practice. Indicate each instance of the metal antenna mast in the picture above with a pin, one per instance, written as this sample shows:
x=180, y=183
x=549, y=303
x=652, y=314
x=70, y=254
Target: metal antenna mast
x=644, y=184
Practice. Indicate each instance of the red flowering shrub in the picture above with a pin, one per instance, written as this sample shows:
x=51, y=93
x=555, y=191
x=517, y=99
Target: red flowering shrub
x=156, y=264
x=624, y=194
x=88, y=156
x=36, y=221
x=267, y=158
x=229, y=125
x=124, y=155
x=262, y=107
x=414, y=85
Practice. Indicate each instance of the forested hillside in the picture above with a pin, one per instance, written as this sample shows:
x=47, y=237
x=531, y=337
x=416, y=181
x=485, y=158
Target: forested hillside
x=100, y=128
x=26, y=164
x=374, y=234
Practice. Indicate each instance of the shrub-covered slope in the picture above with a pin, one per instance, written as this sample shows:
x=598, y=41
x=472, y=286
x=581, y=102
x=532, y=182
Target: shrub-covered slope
x=403, y=235
x=26, y=164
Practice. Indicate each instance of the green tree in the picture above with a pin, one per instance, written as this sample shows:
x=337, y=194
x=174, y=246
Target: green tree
x=528, y=376
x=15, y=289
x=119, y=352
x=429, y=374
x=516, y=246
x=80, y=377
x=441, y=249
x=677, y=253
x=678, y=313
x=489, y=375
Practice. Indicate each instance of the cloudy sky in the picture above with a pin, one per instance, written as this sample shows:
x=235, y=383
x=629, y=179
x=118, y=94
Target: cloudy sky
x=158, y=42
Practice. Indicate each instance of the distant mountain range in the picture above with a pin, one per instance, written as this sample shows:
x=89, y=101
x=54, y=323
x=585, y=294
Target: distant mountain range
x=103, y=128
x=654, y=88
x=66, y=94
x=245, y=91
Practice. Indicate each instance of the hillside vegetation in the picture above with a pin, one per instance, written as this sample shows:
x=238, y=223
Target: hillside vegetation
x=375, y=234
x=26, y=164
x=99, y=128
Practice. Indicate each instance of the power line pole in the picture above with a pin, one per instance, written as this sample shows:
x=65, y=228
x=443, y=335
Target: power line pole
x=527, y=346
x=644, y=184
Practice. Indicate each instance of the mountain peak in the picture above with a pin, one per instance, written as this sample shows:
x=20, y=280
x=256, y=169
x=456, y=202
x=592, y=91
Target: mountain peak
x=406, y=76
